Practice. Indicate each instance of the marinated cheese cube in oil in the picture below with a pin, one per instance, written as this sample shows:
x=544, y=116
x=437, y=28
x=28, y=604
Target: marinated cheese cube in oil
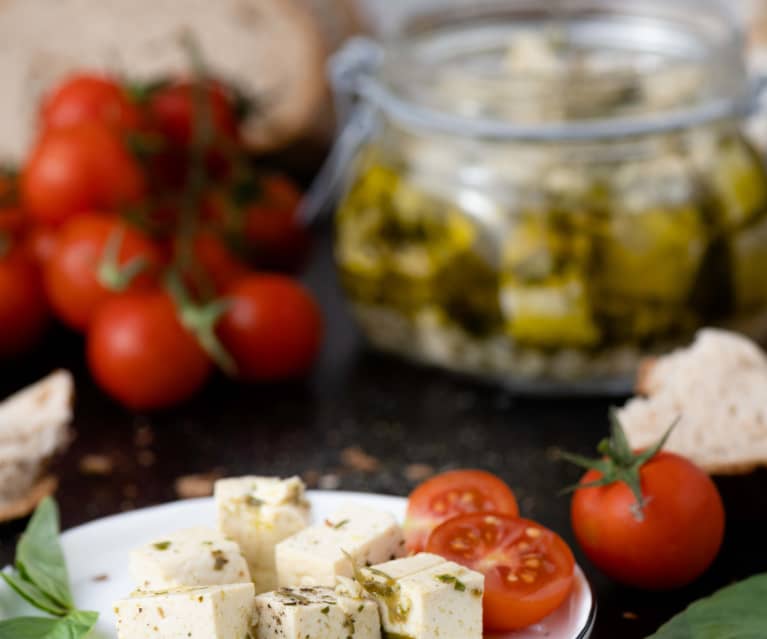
x=317, y=613
x=258, y=513
x=316, y=555
x=191, y=557
x=208, y=612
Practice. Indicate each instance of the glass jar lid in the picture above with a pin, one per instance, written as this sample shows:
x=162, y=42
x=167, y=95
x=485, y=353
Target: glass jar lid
x=556, y=71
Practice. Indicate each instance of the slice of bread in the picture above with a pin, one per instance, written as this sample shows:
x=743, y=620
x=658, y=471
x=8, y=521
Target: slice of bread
x=717, y=388
x=34, y=425
x=271, y=49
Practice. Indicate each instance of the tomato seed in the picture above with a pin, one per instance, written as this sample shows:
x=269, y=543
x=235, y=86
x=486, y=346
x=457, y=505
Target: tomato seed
x=533, y=533
x=532, y=563
x=527, y=577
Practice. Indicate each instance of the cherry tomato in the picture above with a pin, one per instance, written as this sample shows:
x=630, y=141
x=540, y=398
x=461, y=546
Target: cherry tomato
x=13, y=222
x=88, y=97
x=528, y=568
x=13, y=219
x=275, y=236
x=272, y=328
x=77, y=275
x=139, y=352
x=8, y=189
x=39, y=242
x=218, y=266
x=670, y=543
x=173, y=109
x=453, y=493
x=78, y=169
x=23, y=309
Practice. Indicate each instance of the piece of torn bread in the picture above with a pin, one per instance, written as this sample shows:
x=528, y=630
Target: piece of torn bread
x=34, y=425
x=717, y=388
x=273, y=50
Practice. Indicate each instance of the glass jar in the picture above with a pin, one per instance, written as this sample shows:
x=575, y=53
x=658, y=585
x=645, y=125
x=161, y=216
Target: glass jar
x=544, y=197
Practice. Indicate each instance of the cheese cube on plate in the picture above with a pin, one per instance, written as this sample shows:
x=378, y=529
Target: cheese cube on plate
x=316, y=555
x=317, y=613
x=258, y=513
x=207, y=612
x=192, y=557
x=421, y=598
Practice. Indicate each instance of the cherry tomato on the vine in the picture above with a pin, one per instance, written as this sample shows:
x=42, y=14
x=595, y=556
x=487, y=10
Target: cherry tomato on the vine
x=141, y=354
x=274, y=235
x=78, y=169
x=90, y=97
x=23, y=308
x=82, y=273
x=39, y=242
x=176, y=109
x=669, y=542
x=272, y=328
x=214, y=267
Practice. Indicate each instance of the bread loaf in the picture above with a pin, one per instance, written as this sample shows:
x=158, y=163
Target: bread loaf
x=717, y=388
x=273, y=50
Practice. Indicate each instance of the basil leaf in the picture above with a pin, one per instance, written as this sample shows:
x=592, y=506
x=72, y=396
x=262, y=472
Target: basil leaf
x=737, y=611
x=33, y=594
x=39, y=558
x=74, y=626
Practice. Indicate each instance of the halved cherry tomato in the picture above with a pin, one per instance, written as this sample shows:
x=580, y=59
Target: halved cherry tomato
x=75, y=279
x=141, y=354
x=453, y=493
x=88, y=97
x=78, y=169
x=528, y=568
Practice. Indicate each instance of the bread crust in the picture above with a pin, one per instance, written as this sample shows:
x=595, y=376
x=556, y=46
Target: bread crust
x=717, y=389
x=24, y=505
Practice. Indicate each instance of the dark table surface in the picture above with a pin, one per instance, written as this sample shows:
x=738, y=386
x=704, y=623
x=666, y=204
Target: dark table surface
x=401, y=415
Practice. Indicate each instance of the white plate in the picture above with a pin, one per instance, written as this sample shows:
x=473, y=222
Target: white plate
x=97, y=556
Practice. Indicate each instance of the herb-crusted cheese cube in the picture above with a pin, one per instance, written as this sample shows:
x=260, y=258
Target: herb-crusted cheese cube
x=192, y=557
x=443, y=600
x=316, y=612
x=316, y=555
x=208, y=612
x=258, y=513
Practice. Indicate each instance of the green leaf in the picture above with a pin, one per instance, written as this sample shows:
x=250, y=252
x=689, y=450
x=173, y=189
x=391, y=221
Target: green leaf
x=39, y=558
x=735, y=612
x=33, y=594
x=76, y=625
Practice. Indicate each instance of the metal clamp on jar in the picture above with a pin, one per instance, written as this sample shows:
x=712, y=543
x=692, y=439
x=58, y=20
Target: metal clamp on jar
x=542, y=197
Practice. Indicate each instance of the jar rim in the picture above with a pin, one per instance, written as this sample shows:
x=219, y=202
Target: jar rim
x=398, y=77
